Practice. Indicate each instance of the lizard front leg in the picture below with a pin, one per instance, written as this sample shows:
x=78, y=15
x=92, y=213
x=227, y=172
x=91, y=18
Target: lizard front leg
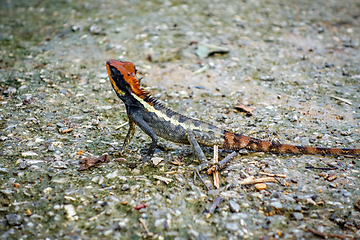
x=128, y=137
x=135, y=115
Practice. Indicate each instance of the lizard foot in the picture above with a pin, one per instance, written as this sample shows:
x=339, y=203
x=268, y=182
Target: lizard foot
x=116, y=152
x=145, y=159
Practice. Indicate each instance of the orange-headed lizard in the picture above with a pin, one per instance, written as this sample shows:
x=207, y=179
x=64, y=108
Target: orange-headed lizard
x=156, y=120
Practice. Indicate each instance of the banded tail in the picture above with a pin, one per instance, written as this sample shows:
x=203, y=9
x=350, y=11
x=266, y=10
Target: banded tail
x=233, y=141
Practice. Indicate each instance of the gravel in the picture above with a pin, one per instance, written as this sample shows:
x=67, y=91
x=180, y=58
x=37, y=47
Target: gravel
x=294, y=63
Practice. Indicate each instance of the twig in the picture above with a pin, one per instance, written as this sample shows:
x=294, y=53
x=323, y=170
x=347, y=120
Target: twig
x=341, y=99
x=222, y=163
x=142, y=221
x=273, y=174
x=321, y=168
x=122, y=125
x=252, y=180
x=216, y=173
x=214, y=205
x=331, y=235
x=317, y=233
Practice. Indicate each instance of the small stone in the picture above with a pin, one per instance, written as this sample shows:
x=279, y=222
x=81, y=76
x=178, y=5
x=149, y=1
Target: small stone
x=122, y=225
x=333, y=184
x=3, y=138
x=108, y=233
x=243, y=151
x=71, y=212
x=7, y=192
x=260, y=186
x=232, y=226
x=332, y=177
x=28, y=212
x=65, y=130
x=3, y=170
x=13, y=219
x=234, y=207
x=125, y=187
x=28, y=154
x=75, y=28
x=136, y=171
x=311, y=201
x=297, y=216
x=159, y=222
x=112, y=175
x=47, y=190
x=10, y=90
x=345, y=193
x=60, y=125
x=94, y=29
x=156, y=160
x=293, y=118
x=95, y=122
x=59, y=165
x=267, y=78
x=323, y=174
x=297, y=208
x=51, y=147
x=276, y=205
x=95, y=179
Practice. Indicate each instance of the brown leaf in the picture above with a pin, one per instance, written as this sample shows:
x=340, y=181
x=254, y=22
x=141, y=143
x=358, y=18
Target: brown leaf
x=91, y=161
x=140, y=206
x=242, y=108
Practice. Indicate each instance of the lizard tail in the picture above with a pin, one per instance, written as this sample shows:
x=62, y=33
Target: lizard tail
x=233, y=141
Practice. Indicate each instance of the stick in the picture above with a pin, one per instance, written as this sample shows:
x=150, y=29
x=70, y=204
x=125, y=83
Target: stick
x=252, y=180
x=216, y=173
x=222, y=163
x=273, y=174
x=142, y=221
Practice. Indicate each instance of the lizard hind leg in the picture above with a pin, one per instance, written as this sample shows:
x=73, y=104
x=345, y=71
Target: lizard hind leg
x=196, y=147
x=199, y=154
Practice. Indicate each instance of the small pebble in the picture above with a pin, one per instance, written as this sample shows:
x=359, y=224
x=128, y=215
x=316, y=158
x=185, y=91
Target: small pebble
x=10, y=90
x=232, y=226
x=297, y=216
x=332, y=177
x=125, y=187
x=260, y=186
x=234, y=207
x=94, y=29
x=112, y=175
x=65, y=130
x=276, y=205
x=59, y=165
x=13, y=219
x=323, y=174
x=71, y=212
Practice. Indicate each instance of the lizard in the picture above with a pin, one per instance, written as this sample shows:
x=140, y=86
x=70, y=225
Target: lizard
x=156, y=121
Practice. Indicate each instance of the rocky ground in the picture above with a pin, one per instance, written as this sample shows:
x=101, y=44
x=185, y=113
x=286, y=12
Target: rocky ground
x=286, y=71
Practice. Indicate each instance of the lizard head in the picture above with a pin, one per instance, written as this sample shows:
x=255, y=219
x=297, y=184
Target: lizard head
x=123, y=79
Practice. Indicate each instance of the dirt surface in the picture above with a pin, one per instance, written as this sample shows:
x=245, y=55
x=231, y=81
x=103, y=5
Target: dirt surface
x=294, y=64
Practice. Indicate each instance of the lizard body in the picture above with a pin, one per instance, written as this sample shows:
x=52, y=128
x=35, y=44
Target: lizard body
x=156, y=120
